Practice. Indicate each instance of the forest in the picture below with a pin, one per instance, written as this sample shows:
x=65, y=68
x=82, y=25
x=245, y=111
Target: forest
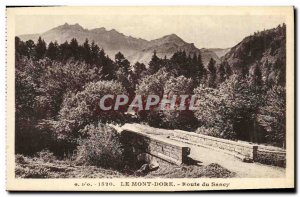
x=58, y=87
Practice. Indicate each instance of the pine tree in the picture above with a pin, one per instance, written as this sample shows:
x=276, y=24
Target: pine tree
x=52, y=51
x=154, y=64
x=122, y=62
x=40, y=48
x=256, y=77
x=199, y=68
x=30, y=48
x=228, y=71
x=221, y=74
x=86, y=51
x=256, y=88
x=123, y=73
x=272, y=115
x=64, y=51
x=20, y=47
x=139, y=70
x=212, y=73
x=74, y=48
x=94, y=53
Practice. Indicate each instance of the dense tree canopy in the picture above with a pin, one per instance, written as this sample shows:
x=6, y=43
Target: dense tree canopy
x=58, y=87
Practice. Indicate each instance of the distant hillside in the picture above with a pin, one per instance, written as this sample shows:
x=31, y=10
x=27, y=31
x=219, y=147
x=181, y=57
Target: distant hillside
x=134, y=49
x=220, y=52
x=266, y=48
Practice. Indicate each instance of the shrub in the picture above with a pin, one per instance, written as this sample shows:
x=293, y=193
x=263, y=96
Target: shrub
x=102, y=147
x=59, y=78
x=46, y=156
x=270, y=159
x=179, y=119
x=230, y=108
x=163, y=83
x=31, y=172
x=152, y=85
x=272, y=116
x=211, y=131
x=40, y=87
x=82, y=108
x=20, y=159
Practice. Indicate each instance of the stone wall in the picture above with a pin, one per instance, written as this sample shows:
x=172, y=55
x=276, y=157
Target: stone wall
x=171, y=151
x=245, y=151
x=271, y=156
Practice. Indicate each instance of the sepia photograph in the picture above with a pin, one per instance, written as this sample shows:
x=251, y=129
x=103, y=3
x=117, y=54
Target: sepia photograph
x=150, y=98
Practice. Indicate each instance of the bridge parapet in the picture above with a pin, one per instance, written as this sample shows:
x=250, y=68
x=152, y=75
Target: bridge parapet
x=244, y=150
x=168, y=150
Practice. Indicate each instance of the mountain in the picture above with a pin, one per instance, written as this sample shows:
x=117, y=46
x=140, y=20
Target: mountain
x=220, y=52
x=266, y=48
x=112, y=41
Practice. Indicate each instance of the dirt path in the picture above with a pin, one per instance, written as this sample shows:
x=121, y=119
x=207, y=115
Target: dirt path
x=207, y=156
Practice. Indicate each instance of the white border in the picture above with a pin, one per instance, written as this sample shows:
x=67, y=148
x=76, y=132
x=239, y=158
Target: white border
x=3, y=3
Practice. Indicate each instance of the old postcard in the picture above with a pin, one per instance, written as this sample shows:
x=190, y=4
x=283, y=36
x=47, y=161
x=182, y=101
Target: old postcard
x=150, y=98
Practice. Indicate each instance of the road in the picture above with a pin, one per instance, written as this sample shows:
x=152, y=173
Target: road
x=206, y=156
x=242, y=169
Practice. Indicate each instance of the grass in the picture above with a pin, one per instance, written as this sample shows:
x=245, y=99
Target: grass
x=167, y=170
x=38, y=167
x=35, y=167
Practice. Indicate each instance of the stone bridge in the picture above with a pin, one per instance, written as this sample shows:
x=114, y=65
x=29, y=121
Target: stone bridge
x=163, y=148
x=179, y=147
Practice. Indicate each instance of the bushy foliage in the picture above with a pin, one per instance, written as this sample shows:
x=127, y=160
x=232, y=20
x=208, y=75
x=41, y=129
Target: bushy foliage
x=102, y=147
x=178, y=86
x=29, y=138
x=82, y=108
x=211, y=131
x=40, y=86
x=20, y=159
x=33, y=172
x=139, y=71
x=46, y=156
x=237, y=109
x=227, y=108
x=163, y=84
x=272, y=116
x=59, y=78
x=58, y=88
x=152, y=85
x=179, y=119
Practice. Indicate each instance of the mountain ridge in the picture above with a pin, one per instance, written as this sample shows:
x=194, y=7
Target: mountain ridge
x=112, y=41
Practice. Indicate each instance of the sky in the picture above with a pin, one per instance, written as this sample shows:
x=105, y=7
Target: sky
x=203, y=31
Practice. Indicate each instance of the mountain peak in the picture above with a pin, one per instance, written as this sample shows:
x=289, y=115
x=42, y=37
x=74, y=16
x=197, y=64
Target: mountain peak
x=67, y=26
x=99, y=30
x=115, y=32
x=172, y=37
